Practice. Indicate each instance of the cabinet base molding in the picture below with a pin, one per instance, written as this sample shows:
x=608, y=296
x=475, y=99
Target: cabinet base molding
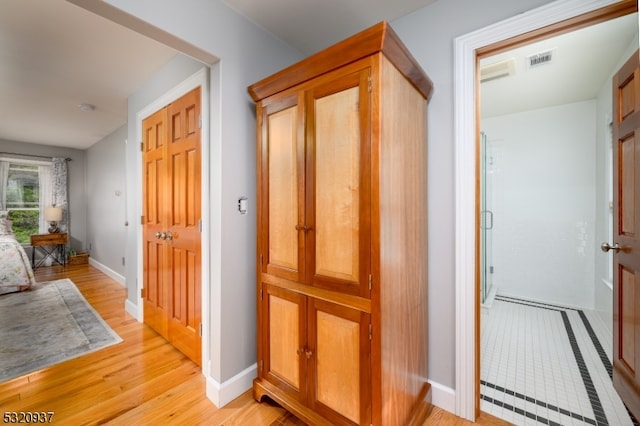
x=262, y=388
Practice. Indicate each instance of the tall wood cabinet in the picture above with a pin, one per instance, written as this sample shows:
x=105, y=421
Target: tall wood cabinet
x=342, y=234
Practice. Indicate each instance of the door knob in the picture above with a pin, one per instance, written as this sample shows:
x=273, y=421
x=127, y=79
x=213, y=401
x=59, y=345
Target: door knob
x=605, y=247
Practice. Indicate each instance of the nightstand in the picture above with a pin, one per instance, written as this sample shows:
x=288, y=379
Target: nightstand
x=51, y=245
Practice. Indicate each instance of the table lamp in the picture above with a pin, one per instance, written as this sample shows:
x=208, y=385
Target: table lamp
x=53, y=215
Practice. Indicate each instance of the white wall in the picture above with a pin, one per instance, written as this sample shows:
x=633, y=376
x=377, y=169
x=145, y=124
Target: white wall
x=544, y=187
x=106, y=202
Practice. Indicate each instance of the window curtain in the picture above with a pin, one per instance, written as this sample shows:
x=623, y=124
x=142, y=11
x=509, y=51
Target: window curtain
x=4, y=175
x=59, y=188
x=45, y=193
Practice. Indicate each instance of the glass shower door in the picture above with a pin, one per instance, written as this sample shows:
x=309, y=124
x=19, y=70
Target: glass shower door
x=486, y=219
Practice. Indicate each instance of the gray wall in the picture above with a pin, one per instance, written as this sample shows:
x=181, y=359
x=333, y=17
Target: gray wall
x=77, y=192
x=106, y=201
x=429, y=34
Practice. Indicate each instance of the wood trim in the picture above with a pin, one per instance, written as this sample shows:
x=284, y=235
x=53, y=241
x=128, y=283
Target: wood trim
x=338, y=298
x=378, y=38
x=616, y=10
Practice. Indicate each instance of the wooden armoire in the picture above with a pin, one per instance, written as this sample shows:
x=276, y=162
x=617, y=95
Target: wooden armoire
x=342, y=234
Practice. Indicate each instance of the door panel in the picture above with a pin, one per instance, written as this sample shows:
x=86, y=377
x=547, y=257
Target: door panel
x=282, y=180
x=184, y=304
x=339, y=344
x=285, y=336
x=154, y=255
x=627, y=147
x=337, y=159
x=171, y=215
x=626, y=211
x=338, y=183
x=627, y=314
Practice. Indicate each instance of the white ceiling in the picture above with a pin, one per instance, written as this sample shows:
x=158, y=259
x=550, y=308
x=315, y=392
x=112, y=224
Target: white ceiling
x=55, y=55
x=582, y=62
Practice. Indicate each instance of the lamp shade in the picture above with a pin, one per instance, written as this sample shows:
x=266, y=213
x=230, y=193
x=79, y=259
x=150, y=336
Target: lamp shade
x=53, y=214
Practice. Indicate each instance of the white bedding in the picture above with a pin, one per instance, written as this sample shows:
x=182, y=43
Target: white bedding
x=16, y=273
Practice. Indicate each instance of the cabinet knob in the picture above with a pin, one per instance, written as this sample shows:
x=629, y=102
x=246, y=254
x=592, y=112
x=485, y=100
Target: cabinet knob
x=300, y=351
x=308, y=354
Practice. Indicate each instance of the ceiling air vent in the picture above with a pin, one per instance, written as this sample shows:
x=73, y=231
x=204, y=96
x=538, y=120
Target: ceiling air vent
x=497, y=70
x=538, y=59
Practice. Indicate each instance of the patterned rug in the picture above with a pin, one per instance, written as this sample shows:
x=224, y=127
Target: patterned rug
x=50, y=324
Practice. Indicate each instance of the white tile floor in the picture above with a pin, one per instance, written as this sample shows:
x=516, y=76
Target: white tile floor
x=530, y=372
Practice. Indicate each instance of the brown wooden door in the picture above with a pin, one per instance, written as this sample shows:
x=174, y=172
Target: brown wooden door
x=338, y=182
x=626, y=239
x=172, y=248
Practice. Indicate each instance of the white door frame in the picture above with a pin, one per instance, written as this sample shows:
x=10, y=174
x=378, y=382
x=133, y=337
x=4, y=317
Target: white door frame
x=465, y=176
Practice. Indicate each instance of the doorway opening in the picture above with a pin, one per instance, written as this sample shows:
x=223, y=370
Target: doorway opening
x=548, y=20
x=543, y=207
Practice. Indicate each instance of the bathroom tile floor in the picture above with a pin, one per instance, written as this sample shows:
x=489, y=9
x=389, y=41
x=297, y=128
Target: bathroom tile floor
x=547, y=364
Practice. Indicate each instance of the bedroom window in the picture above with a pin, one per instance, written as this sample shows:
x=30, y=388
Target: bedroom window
x=22, y=199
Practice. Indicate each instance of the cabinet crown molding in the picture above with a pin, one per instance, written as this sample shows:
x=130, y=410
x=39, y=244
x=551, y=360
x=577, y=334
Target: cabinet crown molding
x=379, y=38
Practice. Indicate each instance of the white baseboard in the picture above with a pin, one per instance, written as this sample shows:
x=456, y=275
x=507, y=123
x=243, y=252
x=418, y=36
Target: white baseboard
x=223, y=393
x=443, y=397
x=133, y=310
x=110, y=272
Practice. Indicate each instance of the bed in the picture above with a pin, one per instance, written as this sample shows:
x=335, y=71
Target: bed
x=16, y=273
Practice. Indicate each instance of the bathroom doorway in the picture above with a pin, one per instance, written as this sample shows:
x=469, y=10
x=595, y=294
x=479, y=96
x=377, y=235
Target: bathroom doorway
x=543, y=208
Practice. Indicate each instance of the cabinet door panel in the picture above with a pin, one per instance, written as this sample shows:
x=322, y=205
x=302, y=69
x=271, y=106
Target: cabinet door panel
x=337, y=168
x=282, y=186
x=285, y=334
x=339, y=342
x=338, y=199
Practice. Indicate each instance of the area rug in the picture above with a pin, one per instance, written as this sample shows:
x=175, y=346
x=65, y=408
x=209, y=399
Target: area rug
x=47, y=325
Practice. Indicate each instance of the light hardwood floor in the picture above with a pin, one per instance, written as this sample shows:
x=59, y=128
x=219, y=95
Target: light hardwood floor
x=141, y=381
